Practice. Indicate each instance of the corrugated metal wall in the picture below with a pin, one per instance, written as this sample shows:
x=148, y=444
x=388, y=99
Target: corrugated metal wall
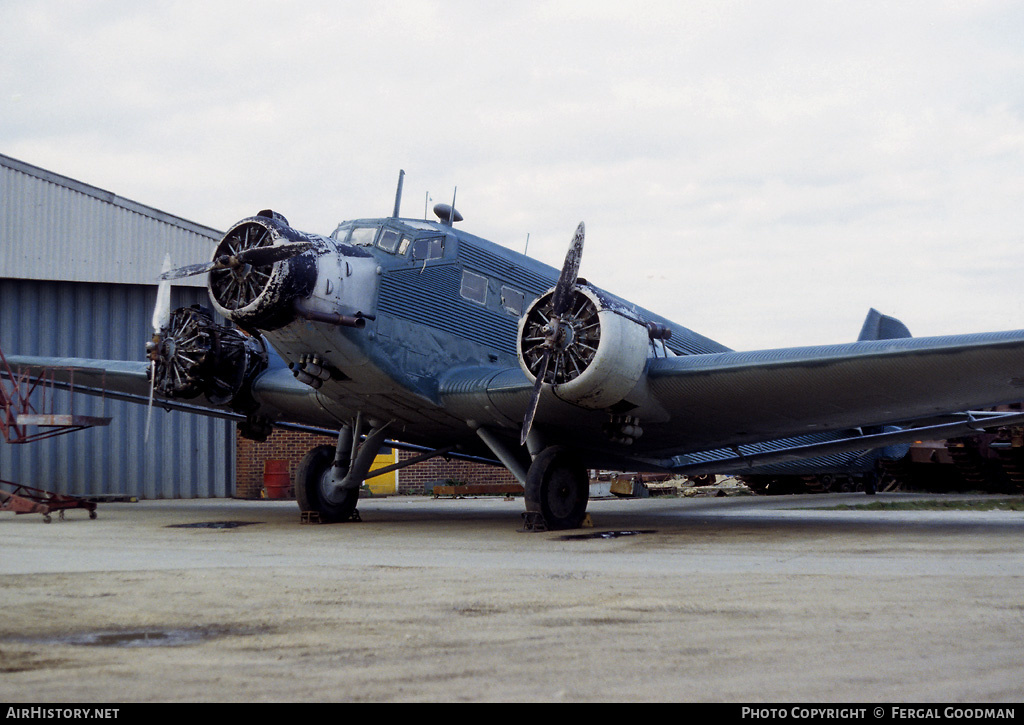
x=187, y=456
x=54, y=227
x=77, y=278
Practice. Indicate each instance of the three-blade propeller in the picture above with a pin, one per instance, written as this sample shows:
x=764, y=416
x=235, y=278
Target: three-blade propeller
x=561, y=301
x=255, y=257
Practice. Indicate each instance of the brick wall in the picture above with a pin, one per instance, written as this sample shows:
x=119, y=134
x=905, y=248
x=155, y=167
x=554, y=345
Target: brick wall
x=420, y=477
x=292, y=446
x=282, y=444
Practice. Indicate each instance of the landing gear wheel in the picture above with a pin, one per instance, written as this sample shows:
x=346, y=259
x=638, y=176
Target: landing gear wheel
x=313, y=480
x=557, y=487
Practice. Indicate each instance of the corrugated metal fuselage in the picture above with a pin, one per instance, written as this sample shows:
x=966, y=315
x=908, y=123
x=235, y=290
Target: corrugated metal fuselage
x=437, y=301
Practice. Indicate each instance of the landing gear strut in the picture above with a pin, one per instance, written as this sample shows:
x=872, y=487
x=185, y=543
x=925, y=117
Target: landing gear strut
x=557, y=489
x=328, y=479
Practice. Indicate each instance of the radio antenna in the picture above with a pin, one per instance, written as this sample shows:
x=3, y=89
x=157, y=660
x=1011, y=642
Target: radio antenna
x=398, y=192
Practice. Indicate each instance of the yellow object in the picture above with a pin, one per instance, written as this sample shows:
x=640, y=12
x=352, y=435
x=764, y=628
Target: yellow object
x=622, y=486
x=388, y=483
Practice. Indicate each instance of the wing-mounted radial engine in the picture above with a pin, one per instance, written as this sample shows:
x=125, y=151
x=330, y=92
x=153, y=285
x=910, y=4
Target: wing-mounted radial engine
x=591, y=351
x=597, y=350
x=193, y=355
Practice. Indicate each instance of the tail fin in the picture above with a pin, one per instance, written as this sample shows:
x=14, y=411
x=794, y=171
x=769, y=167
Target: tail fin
x=882, y=327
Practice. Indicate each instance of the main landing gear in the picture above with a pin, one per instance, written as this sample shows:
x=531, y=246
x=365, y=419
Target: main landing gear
x=328, y=480
x=557, y=490
x=556, y=483
x=313, y=486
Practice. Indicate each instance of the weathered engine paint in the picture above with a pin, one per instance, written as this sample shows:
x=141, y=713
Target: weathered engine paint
x=261, y=297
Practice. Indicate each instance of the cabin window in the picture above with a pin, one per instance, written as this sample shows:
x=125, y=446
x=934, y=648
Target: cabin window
x=388, y=241
x=512, y=300
x=474, y=287
x=363, y=236
x=428, y=249
x=403, y=246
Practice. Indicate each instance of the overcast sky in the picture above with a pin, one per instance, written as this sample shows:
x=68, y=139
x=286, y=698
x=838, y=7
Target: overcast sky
x=762, y=172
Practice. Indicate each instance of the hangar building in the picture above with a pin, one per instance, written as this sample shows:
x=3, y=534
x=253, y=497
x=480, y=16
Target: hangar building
x=78, y=269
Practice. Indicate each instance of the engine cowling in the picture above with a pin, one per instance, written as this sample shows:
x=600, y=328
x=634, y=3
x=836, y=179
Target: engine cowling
x=600, y=354
x=261, y=296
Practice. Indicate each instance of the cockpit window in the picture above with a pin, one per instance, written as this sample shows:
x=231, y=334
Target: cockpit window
x=388, y=241
x=432, y=248
x=363, y=236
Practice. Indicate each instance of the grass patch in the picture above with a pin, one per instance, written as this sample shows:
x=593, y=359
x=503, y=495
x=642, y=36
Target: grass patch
x=1016, y=504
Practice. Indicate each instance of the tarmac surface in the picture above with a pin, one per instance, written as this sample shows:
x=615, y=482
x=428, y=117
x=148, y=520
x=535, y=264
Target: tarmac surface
x=737, y=599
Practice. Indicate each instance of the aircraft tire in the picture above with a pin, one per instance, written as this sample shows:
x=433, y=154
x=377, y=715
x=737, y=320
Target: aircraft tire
x=313, y=475
x=558, y=488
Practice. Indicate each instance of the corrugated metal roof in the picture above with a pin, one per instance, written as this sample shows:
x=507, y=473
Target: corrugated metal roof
x=54, y=227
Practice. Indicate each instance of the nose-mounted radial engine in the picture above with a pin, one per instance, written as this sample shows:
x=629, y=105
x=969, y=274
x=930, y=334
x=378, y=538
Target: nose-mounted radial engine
x=259, y=270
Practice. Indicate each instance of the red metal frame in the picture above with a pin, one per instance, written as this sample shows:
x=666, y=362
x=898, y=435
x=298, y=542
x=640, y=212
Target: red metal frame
x=28, y=500
x=17, y=412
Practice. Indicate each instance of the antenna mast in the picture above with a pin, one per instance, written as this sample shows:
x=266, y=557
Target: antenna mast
x=398, y=193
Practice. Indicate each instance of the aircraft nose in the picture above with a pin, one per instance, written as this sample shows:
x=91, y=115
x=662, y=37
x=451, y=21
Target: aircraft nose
x=345, y=292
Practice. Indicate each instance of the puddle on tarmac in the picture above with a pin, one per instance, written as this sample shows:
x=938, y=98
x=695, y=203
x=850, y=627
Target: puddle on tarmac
x=135, y=638
x=214, y=525
x=607, y=534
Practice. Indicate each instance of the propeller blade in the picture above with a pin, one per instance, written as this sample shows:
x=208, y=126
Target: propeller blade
x=149, y=408
x=161, y=321
x=531, y=409
x=257, y=257
x=162, y=309
x=262, y=256
x=188, y=270
x=560, y=302
x=562, y=297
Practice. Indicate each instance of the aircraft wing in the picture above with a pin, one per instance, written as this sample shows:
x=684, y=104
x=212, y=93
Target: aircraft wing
x=290, y=403
x=731, y=398
x=121, y=376
x=129, y=381
x=775, y=403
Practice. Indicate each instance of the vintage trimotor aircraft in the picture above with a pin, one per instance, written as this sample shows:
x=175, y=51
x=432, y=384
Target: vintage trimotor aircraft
x=415, y=331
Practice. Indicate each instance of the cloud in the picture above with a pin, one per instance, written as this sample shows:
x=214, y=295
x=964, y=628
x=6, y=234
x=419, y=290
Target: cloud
x=780, y=167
